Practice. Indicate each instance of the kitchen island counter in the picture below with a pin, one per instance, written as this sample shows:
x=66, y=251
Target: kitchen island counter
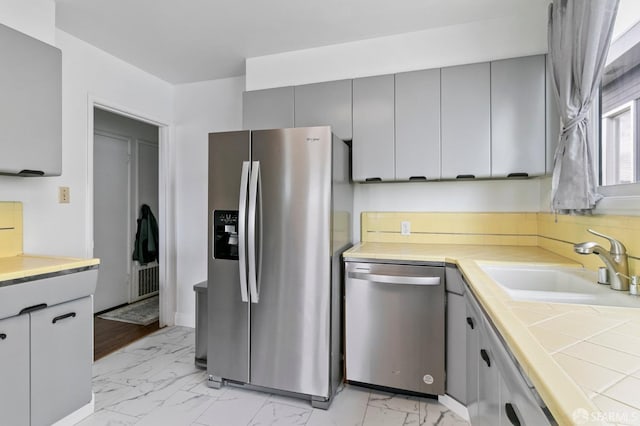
x=584, y=360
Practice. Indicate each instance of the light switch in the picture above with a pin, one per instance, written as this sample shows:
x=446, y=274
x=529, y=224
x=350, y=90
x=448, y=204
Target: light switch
x=63, y=195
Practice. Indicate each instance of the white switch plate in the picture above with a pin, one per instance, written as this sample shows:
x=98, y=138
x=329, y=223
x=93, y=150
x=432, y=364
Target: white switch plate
x=405, y=228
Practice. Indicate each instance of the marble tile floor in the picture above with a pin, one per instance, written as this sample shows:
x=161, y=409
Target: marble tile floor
x=153, y=381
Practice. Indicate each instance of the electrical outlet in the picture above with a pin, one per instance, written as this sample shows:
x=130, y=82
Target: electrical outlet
x=405, y=228
x=63, y=195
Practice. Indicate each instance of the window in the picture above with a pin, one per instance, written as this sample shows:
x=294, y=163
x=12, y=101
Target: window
x=618, y=159
x=619, y=153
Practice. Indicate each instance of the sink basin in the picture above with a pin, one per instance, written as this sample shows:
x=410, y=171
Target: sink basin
x=557, y=284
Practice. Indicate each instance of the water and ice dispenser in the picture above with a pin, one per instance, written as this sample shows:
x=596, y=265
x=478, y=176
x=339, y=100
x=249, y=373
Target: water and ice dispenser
x=225, y=225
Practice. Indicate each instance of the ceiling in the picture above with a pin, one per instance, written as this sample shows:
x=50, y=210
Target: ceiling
x=195, y=40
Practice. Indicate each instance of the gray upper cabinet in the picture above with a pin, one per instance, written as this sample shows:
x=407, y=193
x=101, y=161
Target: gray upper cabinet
x=268, y=109
x=30, y=106
x=325, y=104
x=373, y=129
x=518, y=132
x=466, y=121
x=417, y=125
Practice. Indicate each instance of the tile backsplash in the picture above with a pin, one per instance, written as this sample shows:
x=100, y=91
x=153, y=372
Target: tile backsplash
x=10, y=228
x=554, y=233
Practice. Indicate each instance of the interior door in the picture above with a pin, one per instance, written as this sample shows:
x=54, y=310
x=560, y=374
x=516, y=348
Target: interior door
x=111, y=200
x=290, y=322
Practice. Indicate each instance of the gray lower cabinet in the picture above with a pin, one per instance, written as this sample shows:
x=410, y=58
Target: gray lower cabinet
x=518, y=133
x=14, y=370
x=30, y=105
x=268, y=109
x=325, y=104
x=474, y=322
x=456, y=336
x=417, y=125
x=501, y=395
x=466, y=121
x=373, y=129
x=61, y=360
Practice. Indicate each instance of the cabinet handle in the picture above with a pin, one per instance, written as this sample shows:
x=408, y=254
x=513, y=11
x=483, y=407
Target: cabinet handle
x=3, y=336
x=418, y=178
x=373, y=179
x=512, y=414
x=30, y=173
x=485, y=357
x=470, y=322
x=61, y=317
x=518, y=175
x=466, y=177
x=33, y=308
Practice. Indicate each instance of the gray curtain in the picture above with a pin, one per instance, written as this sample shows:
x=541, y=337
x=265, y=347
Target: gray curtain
x=579, y=36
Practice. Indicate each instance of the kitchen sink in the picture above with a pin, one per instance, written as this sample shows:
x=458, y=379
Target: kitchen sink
x=556, y=284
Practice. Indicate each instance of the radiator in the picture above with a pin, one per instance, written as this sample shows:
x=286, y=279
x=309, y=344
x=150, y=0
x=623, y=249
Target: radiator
x=146, y=280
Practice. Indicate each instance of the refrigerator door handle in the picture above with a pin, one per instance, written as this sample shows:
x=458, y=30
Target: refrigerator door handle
x=251, y=225
x=242, y=221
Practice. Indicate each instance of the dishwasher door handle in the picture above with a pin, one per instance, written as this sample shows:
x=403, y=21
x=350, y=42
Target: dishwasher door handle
x=394, y=279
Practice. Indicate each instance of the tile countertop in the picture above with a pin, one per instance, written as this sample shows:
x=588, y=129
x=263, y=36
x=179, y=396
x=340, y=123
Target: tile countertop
x=577, y=356
x=25, y=266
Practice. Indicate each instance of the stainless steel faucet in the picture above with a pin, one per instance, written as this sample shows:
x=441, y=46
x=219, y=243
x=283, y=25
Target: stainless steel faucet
x=614, y=259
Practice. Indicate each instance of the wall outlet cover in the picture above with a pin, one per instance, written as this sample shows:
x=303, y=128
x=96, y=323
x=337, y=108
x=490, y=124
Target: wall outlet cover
x=405, y=228
x=63, y=195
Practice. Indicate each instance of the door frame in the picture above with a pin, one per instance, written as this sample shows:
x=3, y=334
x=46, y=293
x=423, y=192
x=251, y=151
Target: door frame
x=166, y=201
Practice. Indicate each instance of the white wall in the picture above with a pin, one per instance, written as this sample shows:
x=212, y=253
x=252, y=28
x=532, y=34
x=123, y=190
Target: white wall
x=439, y=47
x=200, y=108
x=35, y=18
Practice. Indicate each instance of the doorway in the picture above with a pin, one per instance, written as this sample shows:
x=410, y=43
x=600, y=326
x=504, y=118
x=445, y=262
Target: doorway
x=125, y=184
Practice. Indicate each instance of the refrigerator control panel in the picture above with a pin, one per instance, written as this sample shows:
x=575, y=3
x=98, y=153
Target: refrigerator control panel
x=225, y=234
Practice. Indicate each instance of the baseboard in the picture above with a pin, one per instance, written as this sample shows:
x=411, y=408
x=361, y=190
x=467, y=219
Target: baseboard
x=78, y=415
x=185, y=320
x=454, y=406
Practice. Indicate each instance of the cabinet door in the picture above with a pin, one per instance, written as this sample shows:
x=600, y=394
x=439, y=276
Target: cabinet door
x=268, y=109
x=488, y=383
x=30, y=104
x=61, y=359
x=466, y=121
x=518, y=116
x=473, y=323
x=456, y=348
x=325, y=104
x=373, y=128
x=14, y=370
x=418, y=125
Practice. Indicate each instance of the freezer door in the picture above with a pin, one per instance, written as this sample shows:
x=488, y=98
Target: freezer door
x=290, y=337
x=228, y=315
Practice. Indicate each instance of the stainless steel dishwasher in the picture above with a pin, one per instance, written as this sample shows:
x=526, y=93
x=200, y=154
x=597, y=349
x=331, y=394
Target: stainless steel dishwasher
x=395, y=326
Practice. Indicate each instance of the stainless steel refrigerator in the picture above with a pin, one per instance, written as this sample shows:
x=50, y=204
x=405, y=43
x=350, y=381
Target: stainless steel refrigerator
x=280, y=204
